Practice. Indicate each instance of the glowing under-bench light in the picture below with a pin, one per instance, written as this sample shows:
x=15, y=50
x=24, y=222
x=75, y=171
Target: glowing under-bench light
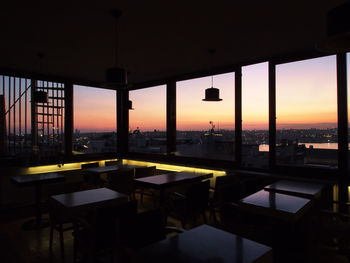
x=175, y=168
x=60, y=167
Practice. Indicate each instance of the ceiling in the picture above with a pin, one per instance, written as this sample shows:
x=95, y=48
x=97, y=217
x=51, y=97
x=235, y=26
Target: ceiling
x=158, y=39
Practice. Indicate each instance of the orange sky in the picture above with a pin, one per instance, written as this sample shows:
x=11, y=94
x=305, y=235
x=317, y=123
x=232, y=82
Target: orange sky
x=305, y=98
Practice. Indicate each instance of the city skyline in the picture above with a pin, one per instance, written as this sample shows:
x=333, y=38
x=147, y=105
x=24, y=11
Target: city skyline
x=308, y=101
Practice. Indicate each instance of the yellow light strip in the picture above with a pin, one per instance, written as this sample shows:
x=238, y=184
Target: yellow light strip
x=175, y=168
x=61, y=167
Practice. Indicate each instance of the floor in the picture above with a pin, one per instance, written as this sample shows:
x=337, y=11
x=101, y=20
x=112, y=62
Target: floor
x=17, y=245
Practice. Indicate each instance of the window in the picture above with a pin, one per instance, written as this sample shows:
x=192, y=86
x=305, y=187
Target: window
x=147, y=120
x=255, y=115
x=205, y=129
x=306, y=109
x=33, y=110
x=94, y=120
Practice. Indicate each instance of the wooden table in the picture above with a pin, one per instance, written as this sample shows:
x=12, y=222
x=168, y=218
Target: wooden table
x=37, y=180
x=110, y=169
x=83, y=201
x=297, y=188
x=206, y=244
x=164, y=181
x=281, y=206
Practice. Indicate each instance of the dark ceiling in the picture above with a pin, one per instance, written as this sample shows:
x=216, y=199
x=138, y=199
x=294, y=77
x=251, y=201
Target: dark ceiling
x=158, y=39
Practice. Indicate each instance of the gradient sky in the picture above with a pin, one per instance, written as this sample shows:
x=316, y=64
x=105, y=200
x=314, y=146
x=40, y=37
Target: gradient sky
x=305, y=98
x=94, y=109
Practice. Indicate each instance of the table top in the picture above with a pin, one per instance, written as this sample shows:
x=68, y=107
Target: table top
x=166, y=180
x=31, y=179
x=206, y=244
x=109, y=169
x=298, y=188
x=286, y=207
x=88, y=198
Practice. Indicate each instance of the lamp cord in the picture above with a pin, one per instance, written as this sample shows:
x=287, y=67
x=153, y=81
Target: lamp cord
x=116, y=42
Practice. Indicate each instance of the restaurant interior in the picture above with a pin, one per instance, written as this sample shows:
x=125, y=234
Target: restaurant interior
x=154, y=131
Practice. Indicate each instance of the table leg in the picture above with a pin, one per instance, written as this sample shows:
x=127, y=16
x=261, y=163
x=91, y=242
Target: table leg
x=37, y=223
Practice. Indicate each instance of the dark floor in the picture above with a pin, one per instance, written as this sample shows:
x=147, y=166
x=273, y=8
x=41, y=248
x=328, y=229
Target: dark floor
x=17, y=245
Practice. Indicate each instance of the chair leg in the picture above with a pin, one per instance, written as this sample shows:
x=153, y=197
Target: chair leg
x=51, y=238
x=62, y=243
x=204, y=218
x=141, y=197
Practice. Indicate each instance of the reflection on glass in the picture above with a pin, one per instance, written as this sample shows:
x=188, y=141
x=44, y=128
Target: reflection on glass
x=306, y=106
x=255, y=115
x=147, y=121
x=94, y=120
x=205, y=129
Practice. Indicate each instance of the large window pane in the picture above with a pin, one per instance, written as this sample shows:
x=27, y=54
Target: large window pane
x=205, y=129
x=255, y=115
x=306, y=104
x=94, y=120
x=147, y=121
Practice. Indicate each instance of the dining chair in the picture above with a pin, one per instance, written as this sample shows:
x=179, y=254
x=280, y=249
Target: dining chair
x=111, y=163
x=140, y=230
x=189, y=206
x=96, y=238
x=141, y=172
x=122, y=181
x=227, y=189
x=92, y=180
x=59, y=219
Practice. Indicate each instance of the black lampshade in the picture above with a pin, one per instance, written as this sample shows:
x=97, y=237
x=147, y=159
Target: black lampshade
x=130, y=105
x=212, y=94
x=116, y=76
x=40, y=96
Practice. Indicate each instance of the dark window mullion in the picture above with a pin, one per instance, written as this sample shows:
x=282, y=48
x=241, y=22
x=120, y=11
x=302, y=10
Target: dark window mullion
x=238, y=116
x=272, y=115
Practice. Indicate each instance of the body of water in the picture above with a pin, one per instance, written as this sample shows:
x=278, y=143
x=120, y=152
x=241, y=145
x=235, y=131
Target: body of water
x=328, y=146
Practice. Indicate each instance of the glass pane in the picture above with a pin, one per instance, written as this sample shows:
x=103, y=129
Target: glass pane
x=205, y=129
x=147, y=121
x=94, y=120
x=255, y=115
x=306, y=105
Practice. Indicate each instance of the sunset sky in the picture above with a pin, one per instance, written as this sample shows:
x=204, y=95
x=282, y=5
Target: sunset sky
x=305, y=98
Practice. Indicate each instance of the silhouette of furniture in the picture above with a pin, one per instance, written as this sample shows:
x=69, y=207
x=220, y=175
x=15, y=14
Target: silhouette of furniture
x=188, y=207
x=297, y=188
x=122, y=180
x=90, y=178
x=164, y=181
x=97, y=236
x=228, y=188
x=206, y=244
x=59, y=218
x=139, y=231
x=37, y=180
x=142, y=172
x=283, y=207
x=82, y=202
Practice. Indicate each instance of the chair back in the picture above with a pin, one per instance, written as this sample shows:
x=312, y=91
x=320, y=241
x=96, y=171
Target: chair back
x=111, y=163
x=90, y=178
x=142, y=229
x=89, y=165
x=105, y=220
x=122, y=181
x=197, y=198
x=227, y=188
x=145, y=171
